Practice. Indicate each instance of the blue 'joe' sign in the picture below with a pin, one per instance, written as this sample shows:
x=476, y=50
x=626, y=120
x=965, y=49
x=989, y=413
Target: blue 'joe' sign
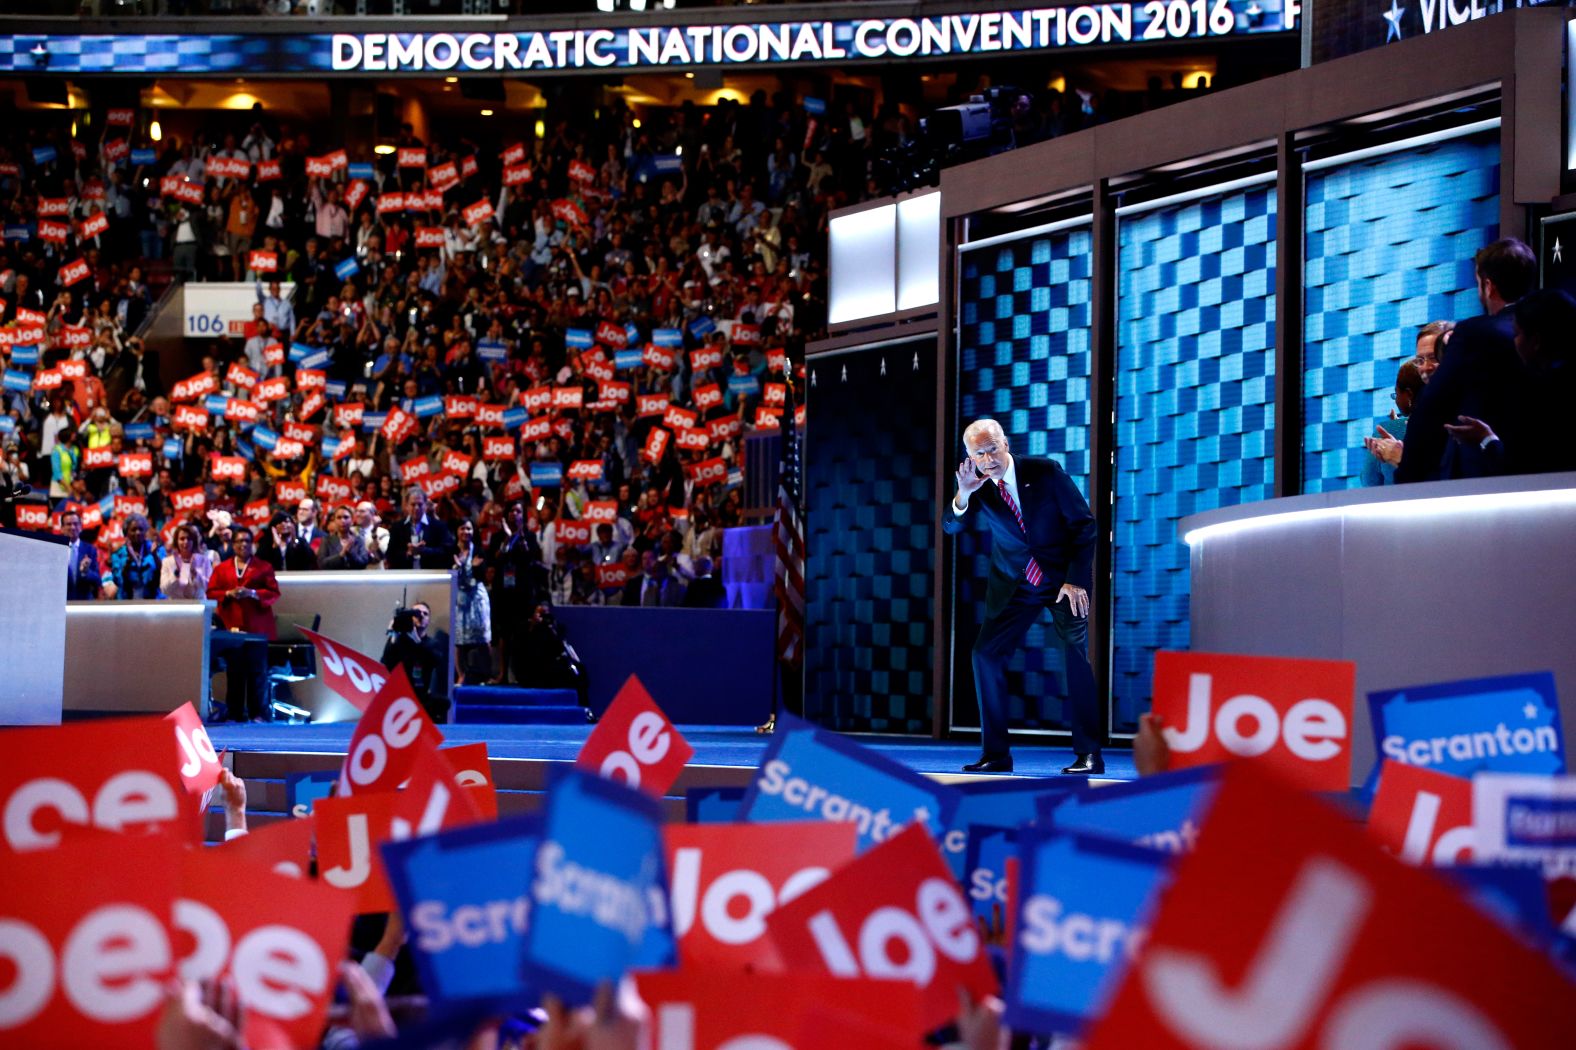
x=466, y=906
x=1083, y=908
x=811, y=774
x=1506, y=724
x=1161, y=812
x=598, y=888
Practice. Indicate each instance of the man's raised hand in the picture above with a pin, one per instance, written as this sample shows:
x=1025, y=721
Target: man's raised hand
x=969, y=478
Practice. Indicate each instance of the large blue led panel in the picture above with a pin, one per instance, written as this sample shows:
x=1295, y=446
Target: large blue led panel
x=1388, y=247
x=1023, y=358
x=1195, y=407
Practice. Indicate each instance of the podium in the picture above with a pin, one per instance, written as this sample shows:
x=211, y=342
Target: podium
x=32, y=627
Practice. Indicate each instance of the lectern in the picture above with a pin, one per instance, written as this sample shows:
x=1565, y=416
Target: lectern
x=32, y=627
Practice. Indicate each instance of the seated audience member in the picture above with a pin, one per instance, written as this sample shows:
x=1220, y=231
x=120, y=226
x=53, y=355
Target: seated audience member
x=1536, y=439
x=472, y=612
x=82, y=562
x=1479, y=376
x=1384, y=450
x=654, y=586
x=307, y=529
x=343, y=547
x=425, y=656
x=419, y=540
x=1430, y=349
x=185, y=571
x=217, y=541
x=65, y=463
x=135, y=566
x=374, y=537
x=705, y=590
x=245, y=588
x=282, y=548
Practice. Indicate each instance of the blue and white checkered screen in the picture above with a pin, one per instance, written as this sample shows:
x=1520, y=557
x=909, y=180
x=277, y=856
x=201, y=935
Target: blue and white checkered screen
x=1195, y=407
x=1388, y=248
x=870, y=506
x=1023, y=358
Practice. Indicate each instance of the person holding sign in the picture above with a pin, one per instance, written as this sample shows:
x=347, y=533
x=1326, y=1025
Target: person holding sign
x=1042, y=556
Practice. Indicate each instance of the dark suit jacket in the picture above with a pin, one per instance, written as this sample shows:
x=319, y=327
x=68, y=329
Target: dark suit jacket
x=435, y=552
x=705, y=592
x=1061, y=528
x=1478, y=377
x=672, y=594
x=87, y=585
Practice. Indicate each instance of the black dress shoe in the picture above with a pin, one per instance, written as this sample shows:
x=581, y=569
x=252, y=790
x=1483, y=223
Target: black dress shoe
x=987, y=764
x=1087, y=765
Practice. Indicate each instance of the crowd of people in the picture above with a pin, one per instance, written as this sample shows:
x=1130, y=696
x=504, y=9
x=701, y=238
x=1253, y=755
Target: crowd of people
x=1484, y=396
x=535, y=362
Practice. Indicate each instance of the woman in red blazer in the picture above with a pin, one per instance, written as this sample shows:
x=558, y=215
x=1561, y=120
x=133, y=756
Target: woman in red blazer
x=245, y=589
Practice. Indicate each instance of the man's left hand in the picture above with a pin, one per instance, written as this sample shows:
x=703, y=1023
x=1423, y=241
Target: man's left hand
x=1077, y=599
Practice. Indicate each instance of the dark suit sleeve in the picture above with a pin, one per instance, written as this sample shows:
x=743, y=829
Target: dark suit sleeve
x=1423, y=449
x=951, y=520
x=90, y=580
x=437, y=543
x=1079, y=523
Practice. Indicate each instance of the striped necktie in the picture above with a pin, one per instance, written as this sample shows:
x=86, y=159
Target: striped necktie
x=1032, y=570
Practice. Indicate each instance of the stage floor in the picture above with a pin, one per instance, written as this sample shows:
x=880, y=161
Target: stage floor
x=714, y=746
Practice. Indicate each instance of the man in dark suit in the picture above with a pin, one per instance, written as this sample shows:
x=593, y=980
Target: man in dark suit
x=1042, y=556
x=1478, y=377
x=654, y=586
x=419, y=540
x=82, y=565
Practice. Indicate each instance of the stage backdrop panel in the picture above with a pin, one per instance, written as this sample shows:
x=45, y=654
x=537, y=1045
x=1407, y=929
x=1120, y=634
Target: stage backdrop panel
x=1023, y=358
x=1195, y=406
x=701, y=666
x=1388, y=247
x=871, y=506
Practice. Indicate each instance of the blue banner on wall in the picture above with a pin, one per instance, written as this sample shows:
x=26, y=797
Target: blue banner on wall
x=598, y=888
x=812, y=774
x=466, y=905
x=1506, y=724
x=1082, y=912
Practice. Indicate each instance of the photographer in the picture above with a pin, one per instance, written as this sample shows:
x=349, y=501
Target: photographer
x=425, y=657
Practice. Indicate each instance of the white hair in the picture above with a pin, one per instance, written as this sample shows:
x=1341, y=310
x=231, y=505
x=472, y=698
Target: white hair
x=984, y=427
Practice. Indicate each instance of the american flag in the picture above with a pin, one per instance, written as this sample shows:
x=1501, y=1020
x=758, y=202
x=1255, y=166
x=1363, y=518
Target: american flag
x=788, y=541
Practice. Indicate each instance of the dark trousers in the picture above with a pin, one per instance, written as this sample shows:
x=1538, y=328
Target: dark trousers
x=245, y=659
x=1001, y=635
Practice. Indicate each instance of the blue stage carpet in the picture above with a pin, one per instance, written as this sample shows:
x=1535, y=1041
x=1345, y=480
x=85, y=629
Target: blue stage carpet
x=714, y=746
